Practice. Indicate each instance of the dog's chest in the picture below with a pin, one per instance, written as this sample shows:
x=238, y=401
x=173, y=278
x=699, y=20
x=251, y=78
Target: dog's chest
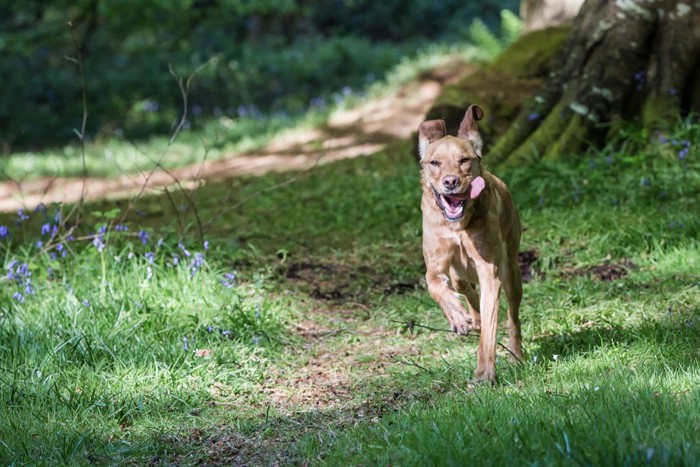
x=463, y=250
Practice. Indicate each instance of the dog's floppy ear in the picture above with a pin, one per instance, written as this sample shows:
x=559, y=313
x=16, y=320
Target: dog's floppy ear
x=468, y=129
x=428, y=132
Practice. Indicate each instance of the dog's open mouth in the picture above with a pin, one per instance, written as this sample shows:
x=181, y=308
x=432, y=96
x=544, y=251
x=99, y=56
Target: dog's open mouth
x=453, y=205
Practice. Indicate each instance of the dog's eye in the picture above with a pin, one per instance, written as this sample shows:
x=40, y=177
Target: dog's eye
x=463, y=160
x=435, y=163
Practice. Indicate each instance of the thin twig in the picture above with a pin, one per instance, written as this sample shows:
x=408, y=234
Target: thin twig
x=184, y=91
x=410, y=362
x=77, y=208
x=410, y=325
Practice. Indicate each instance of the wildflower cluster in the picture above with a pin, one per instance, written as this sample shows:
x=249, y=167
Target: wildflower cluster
x=51, y=250
x=20, y=275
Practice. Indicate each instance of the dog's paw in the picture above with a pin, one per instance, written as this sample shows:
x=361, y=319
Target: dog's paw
x=486, y=374
x=461, y=325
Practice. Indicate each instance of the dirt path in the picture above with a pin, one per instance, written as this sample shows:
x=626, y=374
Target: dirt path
x=363, y=130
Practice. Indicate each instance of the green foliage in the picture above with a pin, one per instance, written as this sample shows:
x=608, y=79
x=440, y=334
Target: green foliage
x=482, y=37
x=510, y=27
x=261, y=58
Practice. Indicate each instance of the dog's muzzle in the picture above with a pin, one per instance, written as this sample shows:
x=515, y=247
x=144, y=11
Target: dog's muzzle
x=453, y=205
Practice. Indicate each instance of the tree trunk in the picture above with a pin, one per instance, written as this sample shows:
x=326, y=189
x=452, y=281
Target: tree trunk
x=541, y=14
x=622, y=59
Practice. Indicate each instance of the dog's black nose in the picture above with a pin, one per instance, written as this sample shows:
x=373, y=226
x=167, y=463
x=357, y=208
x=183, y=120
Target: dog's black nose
x=450, y=182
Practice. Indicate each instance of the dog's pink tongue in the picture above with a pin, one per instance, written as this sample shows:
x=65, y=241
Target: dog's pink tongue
x=476, y=187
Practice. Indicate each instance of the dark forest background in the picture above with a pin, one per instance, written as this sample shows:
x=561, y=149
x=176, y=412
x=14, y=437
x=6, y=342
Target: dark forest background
x=256, y=57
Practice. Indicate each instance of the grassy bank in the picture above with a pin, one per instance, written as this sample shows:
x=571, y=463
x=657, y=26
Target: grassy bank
x=286, y=336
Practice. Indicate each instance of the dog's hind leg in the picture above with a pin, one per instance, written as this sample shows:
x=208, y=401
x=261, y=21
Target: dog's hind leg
x=490, y=287
x=514, y=293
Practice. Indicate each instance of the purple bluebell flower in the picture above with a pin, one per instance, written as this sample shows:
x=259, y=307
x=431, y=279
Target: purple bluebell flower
x=22, y=215
x=683, y=153
x=54, y=231
x=185, y=251
x=121, y=228
x=143, y=236
x=196, y=263
x=228, y=280
x=46, y=228
x=98, y=243
x=641, y=79
x=86, y=303
x=206, y=245
x=533, y=116
x=317, y=102
x=150, y=256
x=39, y=244
x=186, y=344
x=41, y=207
x=4, y=232
x=150, y=106
x=18, y=296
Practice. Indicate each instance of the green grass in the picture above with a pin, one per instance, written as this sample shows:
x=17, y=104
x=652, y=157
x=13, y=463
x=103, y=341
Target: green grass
x=95, y=368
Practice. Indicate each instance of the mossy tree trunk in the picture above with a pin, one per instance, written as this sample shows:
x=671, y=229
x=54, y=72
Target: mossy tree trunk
x=622, y=59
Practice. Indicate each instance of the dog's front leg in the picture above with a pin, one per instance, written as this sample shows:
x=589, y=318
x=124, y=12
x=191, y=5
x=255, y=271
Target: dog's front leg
x=490, y=286
x=442, y=292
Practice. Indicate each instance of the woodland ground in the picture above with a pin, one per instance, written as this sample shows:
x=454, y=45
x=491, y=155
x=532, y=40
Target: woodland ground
x=301, y=332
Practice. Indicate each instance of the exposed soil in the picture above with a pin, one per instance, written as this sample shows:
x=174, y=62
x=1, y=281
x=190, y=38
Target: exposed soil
x=527, y=260
x=606, y=271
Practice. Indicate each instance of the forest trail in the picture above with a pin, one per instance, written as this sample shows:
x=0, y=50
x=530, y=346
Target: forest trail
x=360, y=131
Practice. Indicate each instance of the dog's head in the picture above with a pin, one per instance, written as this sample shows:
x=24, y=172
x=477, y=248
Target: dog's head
x=452, y=165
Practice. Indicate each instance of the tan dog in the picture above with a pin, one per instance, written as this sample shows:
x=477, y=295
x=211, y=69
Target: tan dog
x=471, y=235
